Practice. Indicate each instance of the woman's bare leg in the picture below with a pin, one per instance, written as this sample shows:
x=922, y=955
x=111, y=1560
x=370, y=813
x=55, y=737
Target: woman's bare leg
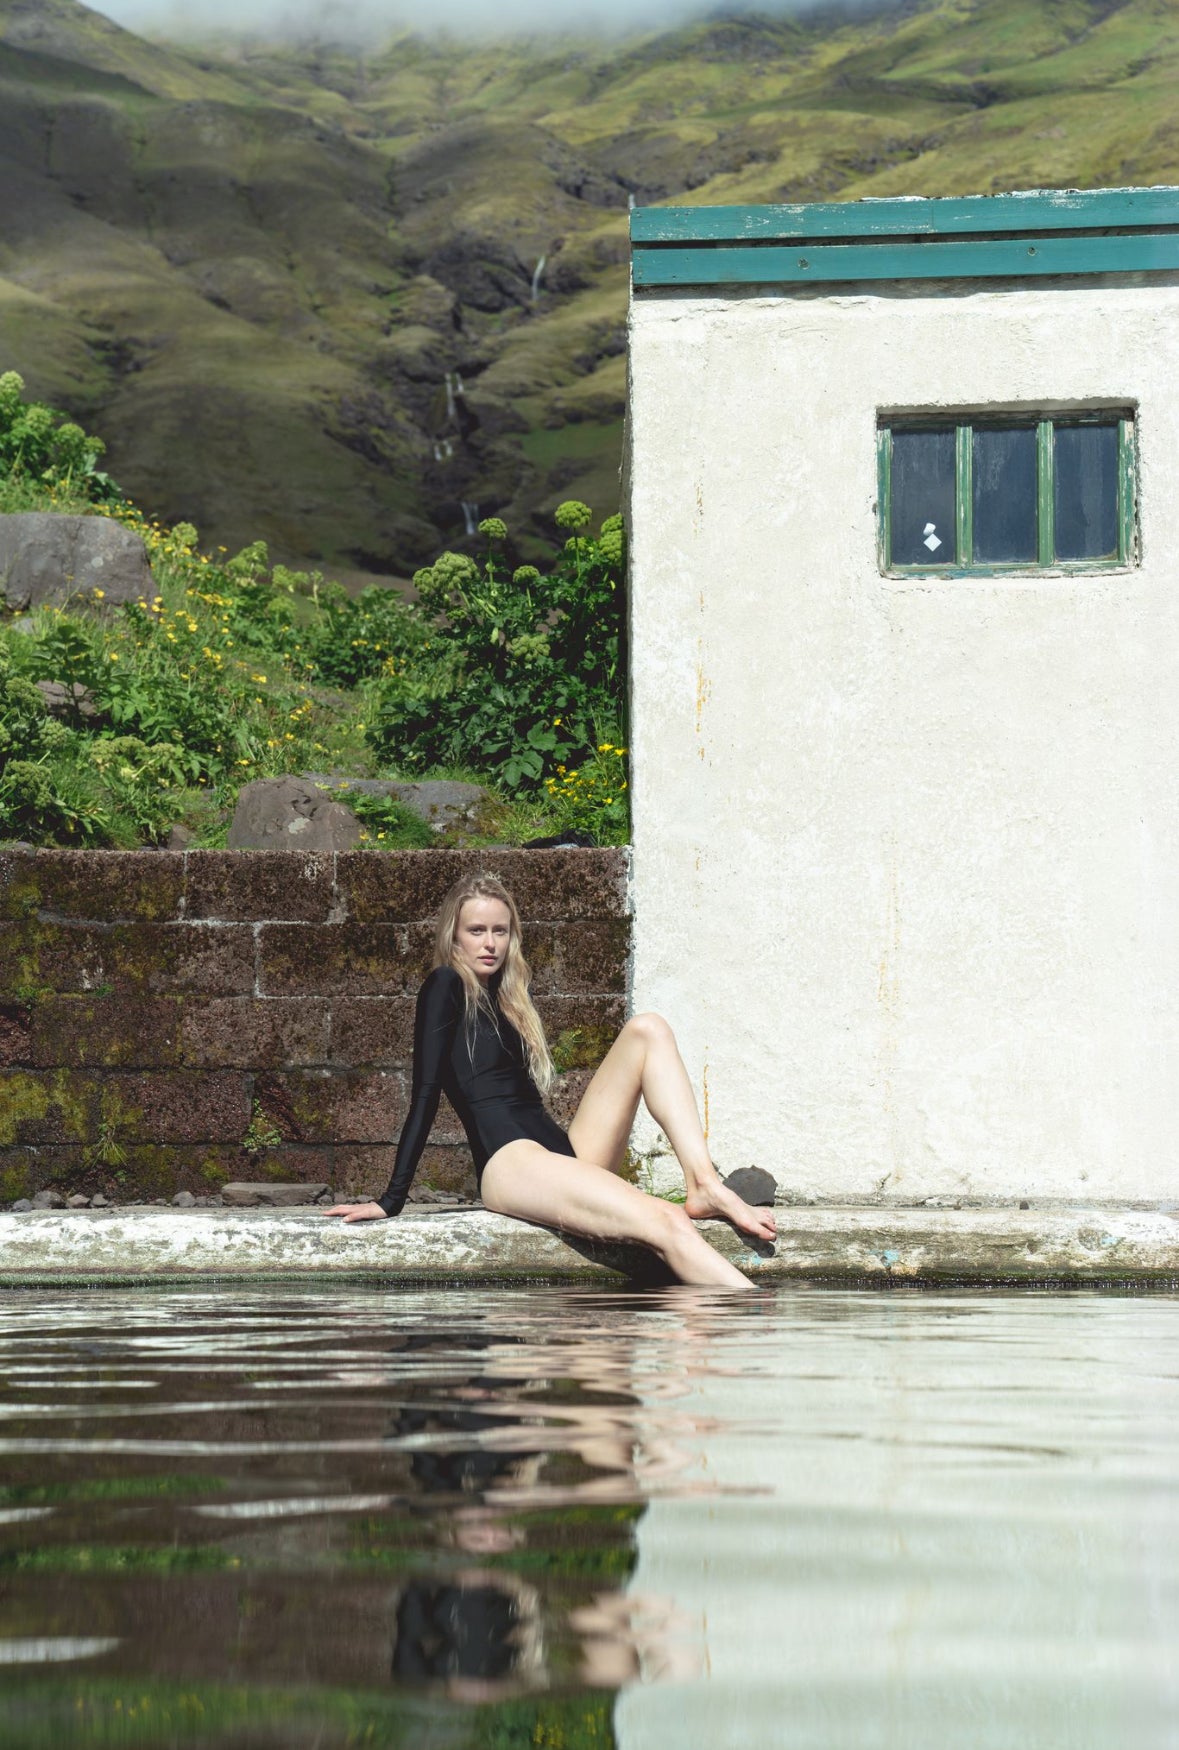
x=525, y=1180
x=645, y=1061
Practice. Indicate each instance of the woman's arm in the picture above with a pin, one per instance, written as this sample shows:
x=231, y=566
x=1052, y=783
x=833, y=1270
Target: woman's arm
x=440, y=1002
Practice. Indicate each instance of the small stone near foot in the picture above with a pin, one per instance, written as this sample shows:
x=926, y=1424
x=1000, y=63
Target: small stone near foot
x=183, y=1200
x=753, y=1186
x=49, y=1200
x=77, y=1201
x=21, y=1204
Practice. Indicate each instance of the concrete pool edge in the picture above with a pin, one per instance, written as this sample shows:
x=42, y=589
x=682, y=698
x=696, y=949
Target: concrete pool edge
x=845, y=1246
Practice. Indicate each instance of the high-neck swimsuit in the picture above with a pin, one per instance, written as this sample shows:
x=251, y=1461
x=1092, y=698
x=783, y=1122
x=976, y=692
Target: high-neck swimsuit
x=483, y=1071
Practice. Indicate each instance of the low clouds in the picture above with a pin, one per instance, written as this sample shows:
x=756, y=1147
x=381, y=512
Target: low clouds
x=372, y=20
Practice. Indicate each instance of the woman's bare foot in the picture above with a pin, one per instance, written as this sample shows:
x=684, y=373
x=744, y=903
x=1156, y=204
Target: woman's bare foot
x=715, y=1202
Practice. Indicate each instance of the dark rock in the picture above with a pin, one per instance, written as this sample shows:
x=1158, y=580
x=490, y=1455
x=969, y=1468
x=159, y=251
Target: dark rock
x=753, y=1186
x=49, y=1200
x=78, y=1201
x=289, y=814
x=183, y=1200
x=67, y=701
x=51, y=559
x=179, y=838
x=21, y=1205
x=244, y=1195
x=441, y=804
x=1024, y=1204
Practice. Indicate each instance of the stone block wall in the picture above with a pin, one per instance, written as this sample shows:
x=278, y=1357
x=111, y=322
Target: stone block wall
x=161, y=1011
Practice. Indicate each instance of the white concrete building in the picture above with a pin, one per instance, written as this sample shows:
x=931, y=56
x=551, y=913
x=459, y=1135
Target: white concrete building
x=904, y=527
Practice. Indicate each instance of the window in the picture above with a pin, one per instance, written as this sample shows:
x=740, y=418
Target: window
x=975, y=494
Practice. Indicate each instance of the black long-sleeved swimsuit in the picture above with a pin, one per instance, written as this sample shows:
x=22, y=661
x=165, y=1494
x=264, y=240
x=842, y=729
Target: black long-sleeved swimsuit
x=484, y=1074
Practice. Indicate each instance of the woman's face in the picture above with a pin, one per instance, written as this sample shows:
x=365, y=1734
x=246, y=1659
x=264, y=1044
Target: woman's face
x=481, y=936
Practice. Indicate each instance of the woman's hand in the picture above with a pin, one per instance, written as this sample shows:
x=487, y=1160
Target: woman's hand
x=358, y=1211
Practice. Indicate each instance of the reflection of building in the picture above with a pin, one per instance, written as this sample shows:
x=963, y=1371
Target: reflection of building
x=905, y=629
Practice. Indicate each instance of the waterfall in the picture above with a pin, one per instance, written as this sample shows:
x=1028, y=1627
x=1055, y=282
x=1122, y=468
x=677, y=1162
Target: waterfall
x=449, y=396
x=630, y=203
x=471, y=515
x=459, y=385
x=537, y=272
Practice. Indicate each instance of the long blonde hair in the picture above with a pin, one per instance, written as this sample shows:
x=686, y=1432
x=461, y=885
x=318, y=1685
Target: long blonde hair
x=514, y=1001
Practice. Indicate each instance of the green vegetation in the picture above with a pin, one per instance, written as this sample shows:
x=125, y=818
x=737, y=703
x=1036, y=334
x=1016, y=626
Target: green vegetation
x=530, y=670
x=124, y=1713
x=327, y=234
x=260, y=1135
x=239, y=670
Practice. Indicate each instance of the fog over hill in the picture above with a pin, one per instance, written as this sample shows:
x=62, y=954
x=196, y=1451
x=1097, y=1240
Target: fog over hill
x=351, y=296
x=373, y=21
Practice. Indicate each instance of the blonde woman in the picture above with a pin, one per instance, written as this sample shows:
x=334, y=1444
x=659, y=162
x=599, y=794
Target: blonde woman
x=479, y=1040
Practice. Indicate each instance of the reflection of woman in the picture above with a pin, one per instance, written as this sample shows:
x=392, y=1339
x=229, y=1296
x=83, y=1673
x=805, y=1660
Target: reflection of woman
x=478, y=1038
x=475, y=1629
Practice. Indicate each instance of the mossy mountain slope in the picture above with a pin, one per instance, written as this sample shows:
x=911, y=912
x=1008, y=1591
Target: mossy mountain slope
x=347, y=301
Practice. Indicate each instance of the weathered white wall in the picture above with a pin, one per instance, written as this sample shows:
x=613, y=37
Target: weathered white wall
x=906, y=852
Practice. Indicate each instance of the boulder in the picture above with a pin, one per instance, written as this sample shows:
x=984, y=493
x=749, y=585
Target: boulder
x=67, y=701
x=49, y=1200
x=753, y=1186
x=179, y=838
x=242, y=1194
x=290, y=814
x=441, y=804
x=183, y=1200
x=48, y=560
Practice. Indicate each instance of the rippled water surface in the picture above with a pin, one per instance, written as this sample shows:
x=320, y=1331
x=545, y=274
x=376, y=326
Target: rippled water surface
x=555, y=1519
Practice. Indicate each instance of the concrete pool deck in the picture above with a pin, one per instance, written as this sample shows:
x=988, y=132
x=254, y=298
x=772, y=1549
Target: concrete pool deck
x=845, y=1245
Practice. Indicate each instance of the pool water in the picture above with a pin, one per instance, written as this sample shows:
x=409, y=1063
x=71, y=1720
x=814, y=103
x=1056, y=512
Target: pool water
x=559, y=1519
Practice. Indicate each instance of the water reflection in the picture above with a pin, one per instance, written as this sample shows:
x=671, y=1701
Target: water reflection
x=570, y=1519
x=313, y=1510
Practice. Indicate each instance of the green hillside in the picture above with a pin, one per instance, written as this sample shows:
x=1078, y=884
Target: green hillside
x=298, y=290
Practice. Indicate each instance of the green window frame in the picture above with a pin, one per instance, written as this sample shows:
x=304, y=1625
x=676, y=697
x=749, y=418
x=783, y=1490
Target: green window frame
x=1045, y=426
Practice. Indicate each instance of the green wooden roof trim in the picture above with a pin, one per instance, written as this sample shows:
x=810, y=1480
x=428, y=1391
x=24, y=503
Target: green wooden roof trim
x=909, y=216
x=976, y=236
x=997, y=257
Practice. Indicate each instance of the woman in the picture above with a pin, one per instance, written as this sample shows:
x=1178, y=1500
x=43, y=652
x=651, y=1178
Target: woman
x=478, y=1038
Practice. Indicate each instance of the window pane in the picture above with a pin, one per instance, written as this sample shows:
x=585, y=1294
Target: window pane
x=1005, y=496
x=922, y=509
x=1086, y=491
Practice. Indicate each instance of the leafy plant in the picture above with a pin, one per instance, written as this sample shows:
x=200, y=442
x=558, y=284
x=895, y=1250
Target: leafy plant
x=525, y=664
x=260, y=1134
x=387, y=823
x=105, y=1150
x=38, y=443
